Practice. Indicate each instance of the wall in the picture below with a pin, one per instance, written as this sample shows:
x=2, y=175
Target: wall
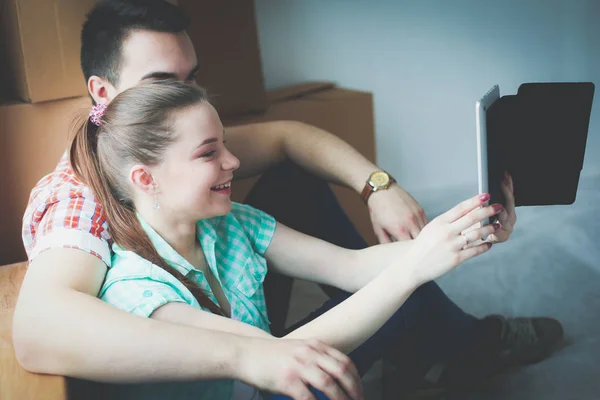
x=427, y=62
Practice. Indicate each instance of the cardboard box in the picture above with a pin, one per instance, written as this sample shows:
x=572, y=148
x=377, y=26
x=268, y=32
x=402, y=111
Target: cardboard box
x=32, y=139
x=345, y=113
x=42, y=41
x=225, y=37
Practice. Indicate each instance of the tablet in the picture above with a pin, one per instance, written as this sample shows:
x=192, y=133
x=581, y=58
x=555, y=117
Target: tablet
x=481, y=108
x=538, y=135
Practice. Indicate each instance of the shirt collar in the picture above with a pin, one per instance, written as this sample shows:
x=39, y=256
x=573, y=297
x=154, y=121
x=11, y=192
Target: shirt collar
x=206, y=234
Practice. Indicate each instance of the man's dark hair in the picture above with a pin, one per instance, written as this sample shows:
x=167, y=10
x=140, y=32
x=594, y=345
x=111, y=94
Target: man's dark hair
x=109, y=23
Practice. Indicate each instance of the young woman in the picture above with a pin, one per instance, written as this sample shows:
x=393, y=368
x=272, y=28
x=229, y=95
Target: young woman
x=155, y=157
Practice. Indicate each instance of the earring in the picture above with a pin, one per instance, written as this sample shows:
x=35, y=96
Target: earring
x=156, y=204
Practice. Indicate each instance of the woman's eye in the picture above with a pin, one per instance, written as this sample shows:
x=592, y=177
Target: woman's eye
x=208, y=154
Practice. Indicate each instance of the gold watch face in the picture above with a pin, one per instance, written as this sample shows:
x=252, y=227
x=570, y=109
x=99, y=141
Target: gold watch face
x=379, y=179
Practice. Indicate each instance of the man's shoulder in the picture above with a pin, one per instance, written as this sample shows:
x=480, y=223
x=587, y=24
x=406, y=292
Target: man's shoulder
x=60, y=205
x=60, y=184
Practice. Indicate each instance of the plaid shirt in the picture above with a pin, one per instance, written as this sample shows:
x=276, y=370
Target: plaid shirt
x=63, y=212
x=233, y=245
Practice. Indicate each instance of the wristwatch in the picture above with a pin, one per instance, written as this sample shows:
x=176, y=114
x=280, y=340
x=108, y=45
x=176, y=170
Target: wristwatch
x=378, y=180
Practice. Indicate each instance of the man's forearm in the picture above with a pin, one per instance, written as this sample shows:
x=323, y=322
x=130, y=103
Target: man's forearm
x=260, y=146
x=90, y=339
x=326, y=155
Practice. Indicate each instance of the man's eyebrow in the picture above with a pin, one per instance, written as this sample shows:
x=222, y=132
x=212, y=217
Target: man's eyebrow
x=159, y=75
x=194, y=71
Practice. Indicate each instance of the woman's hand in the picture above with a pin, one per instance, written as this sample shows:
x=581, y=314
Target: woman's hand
x=508, y=217
x=442, y=245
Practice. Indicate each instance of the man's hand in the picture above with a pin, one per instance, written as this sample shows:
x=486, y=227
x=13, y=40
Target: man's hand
x=292, y=367
x=395, y=215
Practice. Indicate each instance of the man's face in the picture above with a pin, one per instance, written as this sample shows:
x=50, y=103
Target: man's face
x=148, y=55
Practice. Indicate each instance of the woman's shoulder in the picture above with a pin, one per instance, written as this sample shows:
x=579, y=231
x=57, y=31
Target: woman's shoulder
x=255, y=225
x=127, y=264
x=246, y=214
x=240, y=215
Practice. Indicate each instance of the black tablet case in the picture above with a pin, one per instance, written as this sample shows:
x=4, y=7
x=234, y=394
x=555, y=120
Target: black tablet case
x=539, y=136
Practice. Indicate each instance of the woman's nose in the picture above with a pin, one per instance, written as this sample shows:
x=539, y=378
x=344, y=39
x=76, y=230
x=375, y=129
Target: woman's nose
x=230, y=162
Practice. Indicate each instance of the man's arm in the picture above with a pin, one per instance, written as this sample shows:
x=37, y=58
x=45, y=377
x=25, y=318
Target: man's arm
x=60, y=327
x=262, y=145
x=394, y=212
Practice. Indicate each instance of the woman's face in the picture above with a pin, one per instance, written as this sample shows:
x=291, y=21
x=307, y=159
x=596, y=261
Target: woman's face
x=194, y=179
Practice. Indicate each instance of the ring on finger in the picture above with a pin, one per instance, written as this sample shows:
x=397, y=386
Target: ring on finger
x=467, y=240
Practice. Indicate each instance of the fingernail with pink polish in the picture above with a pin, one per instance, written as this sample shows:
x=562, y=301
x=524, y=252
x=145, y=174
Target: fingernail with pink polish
x=484, y=197
x=498, y=208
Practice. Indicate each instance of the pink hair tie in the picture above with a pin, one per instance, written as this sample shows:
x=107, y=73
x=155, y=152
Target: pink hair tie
x=97, y=113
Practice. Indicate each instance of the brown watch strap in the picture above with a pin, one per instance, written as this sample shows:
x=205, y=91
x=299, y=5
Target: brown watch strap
x=368, y=189
x=366, y=192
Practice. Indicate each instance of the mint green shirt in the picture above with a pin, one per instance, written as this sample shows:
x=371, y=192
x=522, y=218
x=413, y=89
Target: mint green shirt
x=233, y=245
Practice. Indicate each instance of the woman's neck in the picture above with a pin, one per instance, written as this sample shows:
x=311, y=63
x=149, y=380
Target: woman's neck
x=180, y=234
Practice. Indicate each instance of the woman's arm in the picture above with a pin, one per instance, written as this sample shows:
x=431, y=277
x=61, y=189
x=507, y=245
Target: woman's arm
x=439, y=248
x=321, y=367
x=295, y=254
x=184, y=314
x=353, y=321
x=380, y=290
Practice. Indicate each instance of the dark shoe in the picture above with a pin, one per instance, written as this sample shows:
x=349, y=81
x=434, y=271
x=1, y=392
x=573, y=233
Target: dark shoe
x=507, y=343
x=526, y=340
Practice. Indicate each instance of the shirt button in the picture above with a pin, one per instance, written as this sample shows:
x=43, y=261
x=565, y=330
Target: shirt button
x=147, y=293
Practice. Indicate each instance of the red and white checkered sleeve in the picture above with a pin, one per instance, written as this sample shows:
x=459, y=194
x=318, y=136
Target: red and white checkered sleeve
x=67, y=220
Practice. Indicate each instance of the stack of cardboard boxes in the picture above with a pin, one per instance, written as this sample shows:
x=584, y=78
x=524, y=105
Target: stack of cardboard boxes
x=42, y=91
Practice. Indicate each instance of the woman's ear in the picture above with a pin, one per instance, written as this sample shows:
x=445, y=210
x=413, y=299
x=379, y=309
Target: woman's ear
x=101, y=90
x=141, y=178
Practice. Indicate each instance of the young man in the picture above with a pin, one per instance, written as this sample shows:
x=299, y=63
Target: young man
x=128, y=41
